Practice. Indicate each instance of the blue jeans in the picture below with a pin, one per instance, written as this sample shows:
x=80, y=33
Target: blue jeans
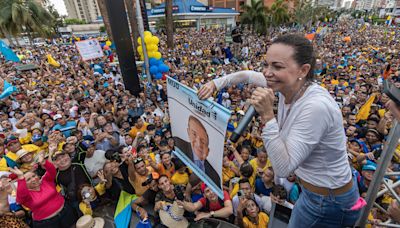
x=314, y=210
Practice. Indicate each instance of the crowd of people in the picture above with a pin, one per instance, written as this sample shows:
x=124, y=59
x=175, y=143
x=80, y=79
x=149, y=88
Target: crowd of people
x=73, y=140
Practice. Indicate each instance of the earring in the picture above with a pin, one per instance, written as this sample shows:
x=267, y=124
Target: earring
x=300, y=78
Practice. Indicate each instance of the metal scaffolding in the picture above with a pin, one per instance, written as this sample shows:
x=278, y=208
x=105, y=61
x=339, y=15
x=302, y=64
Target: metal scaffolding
x=378, y=179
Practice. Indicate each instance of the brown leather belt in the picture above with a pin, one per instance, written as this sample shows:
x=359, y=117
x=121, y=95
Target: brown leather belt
x=325, y=191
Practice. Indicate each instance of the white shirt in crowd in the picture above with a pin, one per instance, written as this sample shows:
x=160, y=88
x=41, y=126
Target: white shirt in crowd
x=96, y=162
x=315, y=152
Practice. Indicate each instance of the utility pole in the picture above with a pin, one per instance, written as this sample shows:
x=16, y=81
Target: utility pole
x=141, y=34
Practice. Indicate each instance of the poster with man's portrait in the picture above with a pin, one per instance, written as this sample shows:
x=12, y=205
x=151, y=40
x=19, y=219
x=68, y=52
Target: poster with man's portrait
x=199, y=128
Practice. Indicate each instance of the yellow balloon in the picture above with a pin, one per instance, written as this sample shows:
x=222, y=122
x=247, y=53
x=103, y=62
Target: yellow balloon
x=152, y=47
x=157, y=55
x=139, y=41
x=152, y=54
x=147, y=39
x=140, y=49
x=108, y=43
x=147, y=33
x=155, y=40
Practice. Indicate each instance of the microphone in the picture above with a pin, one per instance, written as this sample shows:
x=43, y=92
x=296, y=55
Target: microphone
x=251, y=112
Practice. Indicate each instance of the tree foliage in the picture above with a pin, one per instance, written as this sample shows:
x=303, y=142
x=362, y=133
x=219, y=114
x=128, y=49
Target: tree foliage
x=74, y=21
x=254, y=16
x=25, y=16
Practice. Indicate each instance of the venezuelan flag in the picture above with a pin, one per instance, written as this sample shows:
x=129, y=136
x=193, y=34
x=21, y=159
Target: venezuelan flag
x=123, y=212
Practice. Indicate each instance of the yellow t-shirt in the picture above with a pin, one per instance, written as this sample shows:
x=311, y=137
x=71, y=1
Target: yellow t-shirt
x=133, y=132
x=137, y=183
x=263, y=220
x=227, y=173
x=180, y=178
x=254, y=164
x=235, y=188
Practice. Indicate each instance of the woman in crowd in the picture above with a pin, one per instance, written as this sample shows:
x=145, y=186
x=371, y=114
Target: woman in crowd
x=317, y=153
x=34, y=193
x=250, y=216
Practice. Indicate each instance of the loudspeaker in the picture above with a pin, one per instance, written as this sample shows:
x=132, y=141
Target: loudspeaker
x=123, y=43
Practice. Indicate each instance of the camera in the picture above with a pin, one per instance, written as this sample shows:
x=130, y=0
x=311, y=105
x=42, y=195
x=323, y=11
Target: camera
x=178, y=189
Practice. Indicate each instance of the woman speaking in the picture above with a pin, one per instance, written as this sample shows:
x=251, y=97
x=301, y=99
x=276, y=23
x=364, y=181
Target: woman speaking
x=306, y=136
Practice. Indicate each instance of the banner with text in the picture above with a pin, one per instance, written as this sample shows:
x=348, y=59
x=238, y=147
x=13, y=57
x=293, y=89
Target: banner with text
x=199, y=129
x=89, y=49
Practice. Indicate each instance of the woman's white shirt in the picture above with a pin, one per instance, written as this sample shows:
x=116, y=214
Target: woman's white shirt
x=311, y=142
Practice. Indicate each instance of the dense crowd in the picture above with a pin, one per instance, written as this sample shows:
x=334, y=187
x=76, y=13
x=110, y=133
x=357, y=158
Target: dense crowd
x=73, y=140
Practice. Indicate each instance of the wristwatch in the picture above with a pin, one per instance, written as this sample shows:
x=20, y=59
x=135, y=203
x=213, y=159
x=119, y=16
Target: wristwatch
x=212, y=214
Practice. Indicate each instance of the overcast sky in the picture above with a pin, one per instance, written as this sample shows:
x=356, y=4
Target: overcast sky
x=60, y=7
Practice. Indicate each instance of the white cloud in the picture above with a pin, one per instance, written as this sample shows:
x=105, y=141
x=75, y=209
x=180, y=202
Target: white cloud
x=60, y=7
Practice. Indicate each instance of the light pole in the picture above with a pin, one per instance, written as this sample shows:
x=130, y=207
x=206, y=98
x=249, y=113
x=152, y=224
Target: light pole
x=141, y=33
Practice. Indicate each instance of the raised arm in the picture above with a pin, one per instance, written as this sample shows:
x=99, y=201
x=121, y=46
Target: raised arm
x=247, y=76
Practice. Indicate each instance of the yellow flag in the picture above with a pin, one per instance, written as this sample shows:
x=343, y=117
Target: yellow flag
x=363, y=113
x=51, y=61
x=363, y=28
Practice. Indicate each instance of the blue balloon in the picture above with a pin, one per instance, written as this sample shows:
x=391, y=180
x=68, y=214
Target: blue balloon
x=163, y=68
x=153, y=62
x=159, y=62
x=154, y=69
x=158, y=76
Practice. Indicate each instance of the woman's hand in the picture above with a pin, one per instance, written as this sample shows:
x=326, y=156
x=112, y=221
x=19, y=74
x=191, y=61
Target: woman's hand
x=17, y=172
x=262, y=100
x=41, y=159
x=101, y=176
x=206, y=90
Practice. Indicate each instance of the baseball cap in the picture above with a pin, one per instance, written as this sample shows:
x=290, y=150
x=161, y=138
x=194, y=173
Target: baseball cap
x=150, y=178
x=87, y=143
x=10, y=139
x=57, y=116
x=36, y=138
x=370, y=166
x=22, y=152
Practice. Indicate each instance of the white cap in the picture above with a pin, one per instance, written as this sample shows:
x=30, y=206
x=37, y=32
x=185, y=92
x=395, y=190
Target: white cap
x=57, y=116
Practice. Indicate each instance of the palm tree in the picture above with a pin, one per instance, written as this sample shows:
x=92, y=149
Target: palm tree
x=106, y=19
x=303, y=14
x=169, y=24
x=131, y=8
x=17, y=16
x=254, y=16
x=279, y=13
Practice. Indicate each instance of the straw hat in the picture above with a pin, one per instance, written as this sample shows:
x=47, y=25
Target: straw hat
x=172, y=216
x=87, y=221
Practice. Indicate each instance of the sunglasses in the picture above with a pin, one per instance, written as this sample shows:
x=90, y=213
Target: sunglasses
x=137, y=160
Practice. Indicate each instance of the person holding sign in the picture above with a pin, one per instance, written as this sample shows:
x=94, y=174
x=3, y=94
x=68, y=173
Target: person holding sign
x=197, y=149
x=293, y=140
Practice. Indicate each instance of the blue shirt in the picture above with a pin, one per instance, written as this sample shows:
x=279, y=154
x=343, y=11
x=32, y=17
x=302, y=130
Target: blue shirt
x=65, y=129
x=261, y=189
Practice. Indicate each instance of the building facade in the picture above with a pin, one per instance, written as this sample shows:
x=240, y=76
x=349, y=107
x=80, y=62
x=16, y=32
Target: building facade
x=194, y=14
x=87, y=10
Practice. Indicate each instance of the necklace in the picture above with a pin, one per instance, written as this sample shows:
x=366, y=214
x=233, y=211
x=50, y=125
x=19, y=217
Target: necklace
x=294, y=100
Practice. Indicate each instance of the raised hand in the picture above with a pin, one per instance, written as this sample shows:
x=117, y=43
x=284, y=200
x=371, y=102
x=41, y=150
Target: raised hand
x=17, y=172
x=206, y=90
